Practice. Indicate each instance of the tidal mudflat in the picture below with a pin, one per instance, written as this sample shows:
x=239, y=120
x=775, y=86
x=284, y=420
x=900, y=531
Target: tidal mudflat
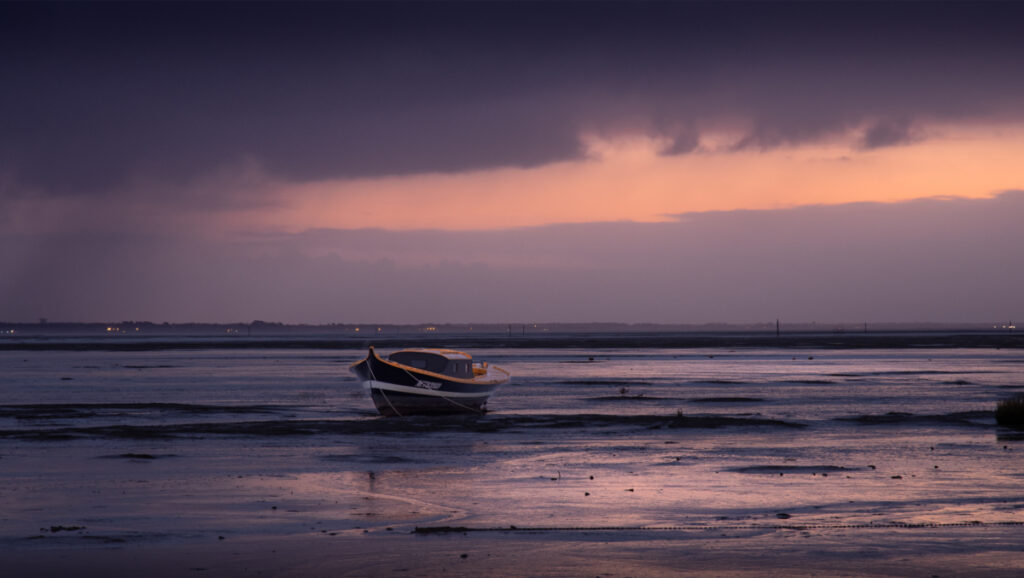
x=601, y=461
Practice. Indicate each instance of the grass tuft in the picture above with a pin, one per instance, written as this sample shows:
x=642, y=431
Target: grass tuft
x=1010, y=412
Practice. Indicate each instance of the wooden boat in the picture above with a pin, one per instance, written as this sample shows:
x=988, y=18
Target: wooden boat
x=428, y=381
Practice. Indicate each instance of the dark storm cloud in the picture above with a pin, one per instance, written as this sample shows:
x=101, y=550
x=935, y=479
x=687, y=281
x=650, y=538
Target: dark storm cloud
x=98, y=94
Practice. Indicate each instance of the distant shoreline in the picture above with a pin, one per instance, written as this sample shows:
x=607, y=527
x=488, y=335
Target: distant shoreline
x=57, y=341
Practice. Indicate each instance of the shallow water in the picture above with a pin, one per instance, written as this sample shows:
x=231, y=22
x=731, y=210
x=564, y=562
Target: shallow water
x=102, y=446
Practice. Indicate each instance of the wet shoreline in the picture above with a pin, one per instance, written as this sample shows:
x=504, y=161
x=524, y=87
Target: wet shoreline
x=643, y=461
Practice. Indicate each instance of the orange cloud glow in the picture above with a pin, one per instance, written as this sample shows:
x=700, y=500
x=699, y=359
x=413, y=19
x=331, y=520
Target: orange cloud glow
x=628, y=179
x=616, y=179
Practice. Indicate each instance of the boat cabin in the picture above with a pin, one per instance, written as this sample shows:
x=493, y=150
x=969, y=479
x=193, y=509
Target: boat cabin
x=443, y=361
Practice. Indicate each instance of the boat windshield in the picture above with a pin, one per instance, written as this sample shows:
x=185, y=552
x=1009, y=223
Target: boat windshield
x=435, y=362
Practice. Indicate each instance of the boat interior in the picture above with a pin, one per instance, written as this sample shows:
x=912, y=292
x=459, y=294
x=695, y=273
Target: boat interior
x=451, y=363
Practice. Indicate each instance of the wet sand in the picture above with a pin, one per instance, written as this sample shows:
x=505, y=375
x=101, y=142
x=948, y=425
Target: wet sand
x=627, y=463
x=947, y=551
x=648, y=505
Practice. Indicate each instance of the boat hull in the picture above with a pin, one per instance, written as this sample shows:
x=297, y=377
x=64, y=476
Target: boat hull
x=398, y=403
x=398, y=390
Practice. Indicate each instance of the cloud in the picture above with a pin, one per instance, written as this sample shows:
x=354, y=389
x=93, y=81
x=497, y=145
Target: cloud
x=100, y=95
x=942, y=260
x=888, y=133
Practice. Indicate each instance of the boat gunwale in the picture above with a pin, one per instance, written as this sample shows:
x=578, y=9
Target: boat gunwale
x=417, y=371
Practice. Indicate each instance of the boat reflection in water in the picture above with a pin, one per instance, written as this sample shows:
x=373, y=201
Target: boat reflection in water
x=428, y=381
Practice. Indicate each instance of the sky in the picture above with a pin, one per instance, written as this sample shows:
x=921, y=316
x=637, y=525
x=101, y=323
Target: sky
x=426, y=162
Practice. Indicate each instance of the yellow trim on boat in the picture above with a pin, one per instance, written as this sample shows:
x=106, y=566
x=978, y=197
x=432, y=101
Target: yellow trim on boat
x=425, y=372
